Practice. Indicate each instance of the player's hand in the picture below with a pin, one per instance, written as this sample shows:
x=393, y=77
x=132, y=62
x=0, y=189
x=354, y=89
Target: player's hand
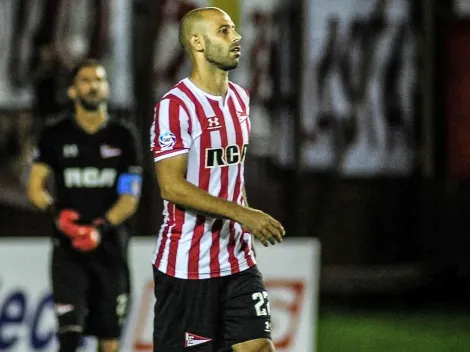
x=264, y=227
x=65, y=222
x=102, y=225
x=90, y=239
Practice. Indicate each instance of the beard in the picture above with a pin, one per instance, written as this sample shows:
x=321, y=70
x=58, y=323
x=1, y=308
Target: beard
x=214, y=55
x=224, y=65
x=90, y=105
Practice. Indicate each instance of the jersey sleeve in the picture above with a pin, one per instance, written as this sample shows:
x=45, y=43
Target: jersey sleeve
x=44, y=150
x=132, y=156
x=170, y=133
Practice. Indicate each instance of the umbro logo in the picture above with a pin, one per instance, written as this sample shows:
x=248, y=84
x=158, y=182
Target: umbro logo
x=194, y=340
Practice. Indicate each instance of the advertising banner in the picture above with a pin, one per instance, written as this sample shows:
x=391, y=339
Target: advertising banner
x=27, y=320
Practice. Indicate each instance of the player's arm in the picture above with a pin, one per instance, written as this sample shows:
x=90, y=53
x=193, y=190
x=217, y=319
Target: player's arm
x=40, y=197
x=36, y=190
x=176, y=189
x=128, y=188
x=90, y=236
x=123, y=209
x=129, y=182
x=43, y=166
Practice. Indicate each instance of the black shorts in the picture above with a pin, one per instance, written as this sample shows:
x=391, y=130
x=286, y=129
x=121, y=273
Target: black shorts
x=210, y=315
x=90, y=292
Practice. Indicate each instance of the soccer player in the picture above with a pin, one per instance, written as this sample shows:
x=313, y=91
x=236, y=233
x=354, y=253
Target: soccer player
x=96, y=163
x=209, y=293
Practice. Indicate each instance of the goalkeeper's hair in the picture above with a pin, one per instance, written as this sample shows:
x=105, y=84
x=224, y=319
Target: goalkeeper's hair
x=88, y=62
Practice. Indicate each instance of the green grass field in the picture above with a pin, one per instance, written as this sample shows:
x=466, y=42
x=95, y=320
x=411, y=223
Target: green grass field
x=393, y=333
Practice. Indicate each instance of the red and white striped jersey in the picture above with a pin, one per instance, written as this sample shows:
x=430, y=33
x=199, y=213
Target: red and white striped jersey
x=214, y=131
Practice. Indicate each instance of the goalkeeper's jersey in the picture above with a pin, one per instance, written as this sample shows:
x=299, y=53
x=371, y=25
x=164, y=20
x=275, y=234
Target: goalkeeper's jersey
x=86, y=167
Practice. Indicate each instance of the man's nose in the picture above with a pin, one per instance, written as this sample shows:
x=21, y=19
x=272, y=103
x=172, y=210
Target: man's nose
x=237, y=38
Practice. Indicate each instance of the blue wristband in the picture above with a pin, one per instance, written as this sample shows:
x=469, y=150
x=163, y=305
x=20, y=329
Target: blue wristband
x=129, y=184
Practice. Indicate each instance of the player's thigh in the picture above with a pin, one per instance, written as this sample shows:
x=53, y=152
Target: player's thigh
x=257, y=345
x=108, y=345
x=246, y=310
x=108, y=300
x=186, y=314
x=69, y=290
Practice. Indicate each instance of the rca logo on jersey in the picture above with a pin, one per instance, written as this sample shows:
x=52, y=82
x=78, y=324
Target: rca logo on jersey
x=89, y=177
x=230, y=155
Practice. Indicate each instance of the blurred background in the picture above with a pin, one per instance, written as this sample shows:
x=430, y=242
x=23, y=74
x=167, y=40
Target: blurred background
x=361, y=139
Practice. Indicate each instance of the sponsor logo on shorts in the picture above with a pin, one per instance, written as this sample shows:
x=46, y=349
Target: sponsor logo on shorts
x=194, y=340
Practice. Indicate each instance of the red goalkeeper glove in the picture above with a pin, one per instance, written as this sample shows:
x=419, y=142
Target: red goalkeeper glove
x=88, y=241
x=65, y=222
x=90, y=236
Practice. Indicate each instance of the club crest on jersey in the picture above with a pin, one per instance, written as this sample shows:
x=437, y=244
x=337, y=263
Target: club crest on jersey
x=230, y=155
x=166, y=140
x=194, y=340
x=242, y=116
x=107, y=151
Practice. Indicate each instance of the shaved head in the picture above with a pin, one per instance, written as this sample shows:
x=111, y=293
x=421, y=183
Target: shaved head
x=209, y=37
x=193, y=24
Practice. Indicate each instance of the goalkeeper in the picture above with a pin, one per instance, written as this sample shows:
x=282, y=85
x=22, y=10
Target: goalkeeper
x=96, y=164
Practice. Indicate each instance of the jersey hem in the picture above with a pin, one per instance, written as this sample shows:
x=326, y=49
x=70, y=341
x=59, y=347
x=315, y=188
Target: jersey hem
x=213, y=275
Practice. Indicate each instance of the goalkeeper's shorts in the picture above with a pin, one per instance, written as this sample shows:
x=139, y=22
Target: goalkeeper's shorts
x=89, y=295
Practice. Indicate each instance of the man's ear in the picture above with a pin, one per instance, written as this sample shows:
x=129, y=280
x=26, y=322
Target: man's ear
x=72, y=92
x=196, y=42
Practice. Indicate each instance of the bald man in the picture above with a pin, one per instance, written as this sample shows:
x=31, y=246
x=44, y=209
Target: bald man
x=210, y=296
